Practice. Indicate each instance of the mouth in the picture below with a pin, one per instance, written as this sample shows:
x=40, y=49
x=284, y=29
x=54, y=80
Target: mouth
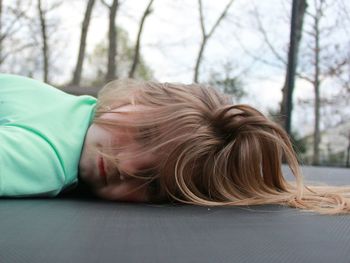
x=101, y=167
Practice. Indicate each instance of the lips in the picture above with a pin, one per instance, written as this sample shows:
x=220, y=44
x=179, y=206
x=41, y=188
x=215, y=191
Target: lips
x=101, y=168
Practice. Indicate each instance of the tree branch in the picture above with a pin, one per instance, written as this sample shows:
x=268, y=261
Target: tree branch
x=138, y=41
x=105, y=4
x=206, y=36
x=266, y=38
x=201, y=18
x=221, y=17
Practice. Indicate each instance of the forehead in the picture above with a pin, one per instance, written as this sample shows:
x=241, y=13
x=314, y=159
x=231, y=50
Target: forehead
x=130, y=107
x=125, y=110
x=126, y=136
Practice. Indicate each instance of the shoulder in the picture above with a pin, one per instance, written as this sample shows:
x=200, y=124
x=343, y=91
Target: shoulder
x=9, y=82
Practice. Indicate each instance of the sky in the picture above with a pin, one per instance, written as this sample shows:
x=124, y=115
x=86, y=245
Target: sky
x=171, y=40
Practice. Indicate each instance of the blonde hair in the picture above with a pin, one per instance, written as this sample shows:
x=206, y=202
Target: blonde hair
x=213, y=153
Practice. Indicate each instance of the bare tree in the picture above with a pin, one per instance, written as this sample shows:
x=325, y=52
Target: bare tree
x=135, y=61
x=284, y=61
x=207, y=34
x=326, y=60
x=84, y=31
x=298, y=12
x=43, y=32
x=0, y=30
x=12, y=18
x=45, y=47
x=112, y=40
x=316, y=80
x=348, y=151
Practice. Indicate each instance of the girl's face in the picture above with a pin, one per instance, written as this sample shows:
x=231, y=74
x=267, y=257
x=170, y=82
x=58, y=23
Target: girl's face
x=108, y=180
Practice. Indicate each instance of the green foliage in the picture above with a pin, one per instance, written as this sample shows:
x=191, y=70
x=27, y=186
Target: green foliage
x=300, y=144
x=274, y=114
x=227, y=83
x=125, y=52
x=232, y=86
x=336, y=159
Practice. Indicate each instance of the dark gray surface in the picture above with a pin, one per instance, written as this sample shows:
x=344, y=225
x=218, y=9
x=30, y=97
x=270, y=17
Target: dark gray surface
x=85, y=230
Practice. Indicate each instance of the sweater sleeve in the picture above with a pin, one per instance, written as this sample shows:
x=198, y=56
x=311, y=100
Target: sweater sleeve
x=28, y=166
x=42, y=131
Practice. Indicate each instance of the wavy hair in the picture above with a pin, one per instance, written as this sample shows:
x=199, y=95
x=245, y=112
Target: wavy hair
x=214, y=153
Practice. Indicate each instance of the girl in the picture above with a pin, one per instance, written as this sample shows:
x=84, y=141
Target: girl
x=159, y=142
x=153, y=142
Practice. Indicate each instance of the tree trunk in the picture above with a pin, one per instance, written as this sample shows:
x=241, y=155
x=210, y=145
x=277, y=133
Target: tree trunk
x=298, y=12
x=317, y=137
x=0, y=32
x=45, y=52
x=138, y=41
x=348, y=152
x=112, y=38
x=84, y=30
x=199, y=60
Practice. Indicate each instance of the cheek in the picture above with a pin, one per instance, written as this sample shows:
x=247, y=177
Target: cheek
x=134, y=164
x=95, y=134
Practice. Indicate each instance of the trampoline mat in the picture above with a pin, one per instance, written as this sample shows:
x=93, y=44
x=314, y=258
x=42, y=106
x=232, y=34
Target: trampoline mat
x=81, y=229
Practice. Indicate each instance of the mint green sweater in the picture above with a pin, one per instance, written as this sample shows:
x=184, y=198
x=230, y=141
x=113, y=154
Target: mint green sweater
x=42, y=131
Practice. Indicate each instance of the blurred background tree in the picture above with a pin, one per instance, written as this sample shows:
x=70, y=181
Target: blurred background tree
x=125, y=55
x=229, y=82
